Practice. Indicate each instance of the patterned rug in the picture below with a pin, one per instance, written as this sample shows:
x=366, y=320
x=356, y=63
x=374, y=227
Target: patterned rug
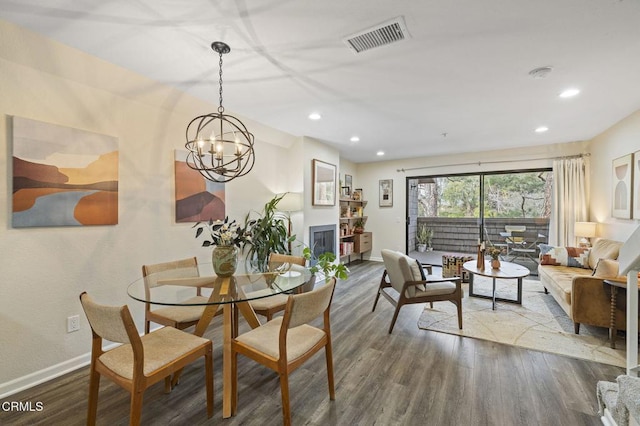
x=539, y=323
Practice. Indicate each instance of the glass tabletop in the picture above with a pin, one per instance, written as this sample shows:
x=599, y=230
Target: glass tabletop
x=180, y=287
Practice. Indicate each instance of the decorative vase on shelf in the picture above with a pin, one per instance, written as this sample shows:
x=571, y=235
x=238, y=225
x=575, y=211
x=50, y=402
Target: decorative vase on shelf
x=225, y=260
x=495, y=263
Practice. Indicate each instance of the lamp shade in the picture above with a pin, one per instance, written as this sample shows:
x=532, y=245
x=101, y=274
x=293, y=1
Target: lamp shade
x=585, y=229
x=291, y=202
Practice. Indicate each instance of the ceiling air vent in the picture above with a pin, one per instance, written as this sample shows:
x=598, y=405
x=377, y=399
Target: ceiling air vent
x=380, y=35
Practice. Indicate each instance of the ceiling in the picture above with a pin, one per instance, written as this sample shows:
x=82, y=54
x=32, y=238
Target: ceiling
x=460, y=82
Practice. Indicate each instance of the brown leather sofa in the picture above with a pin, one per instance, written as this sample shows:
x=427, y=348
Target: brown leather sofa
x=581, y=292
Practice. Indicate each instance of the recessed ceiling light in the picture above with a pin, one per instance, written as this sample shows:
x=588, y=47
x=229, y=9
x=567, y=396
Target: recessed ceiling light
x=314, y=116
x=569, y=93
x=542, y=129
x=380, y=153
x=354, y=139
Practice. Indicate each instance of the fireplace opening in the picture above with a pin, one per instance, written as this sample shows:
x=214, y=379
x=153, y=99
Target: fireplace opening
x=322, y=239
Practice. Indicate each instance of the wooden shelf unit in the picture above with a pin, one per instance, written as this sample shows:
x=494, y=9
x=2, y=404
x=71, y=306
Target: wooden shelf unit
x=351, y=243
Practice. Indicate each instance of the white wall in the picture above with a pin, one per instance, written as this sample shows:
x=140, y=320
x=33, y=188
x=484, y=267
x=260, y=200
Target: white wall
x=619, y=140
x=44, y=270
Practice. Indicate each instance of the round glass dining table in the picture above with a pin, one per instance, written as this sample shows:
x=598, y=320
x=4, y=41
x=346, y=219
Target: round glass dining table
x=231, y=294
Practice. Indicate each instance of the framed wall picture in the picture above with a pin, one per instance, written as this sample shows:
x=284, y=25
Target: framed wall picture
x=63, y=176
x=621, y=182
x=636, y=186
x=386, y=193
x=348, y=181
x=197, y=199
x=324, y=183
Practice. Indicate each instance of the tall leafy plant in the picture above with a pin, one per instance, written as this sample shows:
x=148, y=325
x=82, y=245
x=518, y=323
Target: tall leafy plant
x=269, y=234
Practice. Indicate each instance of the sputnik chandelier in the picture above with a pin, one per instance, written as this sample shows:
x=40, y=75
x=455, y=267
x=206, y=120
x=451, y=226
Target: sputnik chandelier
x=219, y=146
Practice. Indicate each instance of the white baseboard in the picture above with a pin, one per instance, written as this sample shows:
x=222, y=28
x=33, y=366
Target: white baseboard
x=33, y=379
x=44, y=375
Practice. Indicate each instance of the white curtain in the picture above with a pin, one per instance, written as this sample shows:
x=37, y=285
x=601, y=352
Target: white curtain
x=570, y=201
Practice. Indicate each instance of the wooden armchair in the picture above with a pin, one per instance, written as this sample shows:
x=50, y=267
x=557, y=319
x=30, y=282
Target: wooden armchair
x=140, y=361
x=406, y=276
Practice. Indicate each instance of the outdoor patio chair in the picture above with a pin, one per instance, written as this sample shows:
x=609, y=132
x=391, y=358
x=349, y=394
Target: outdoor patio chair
x=524, y=246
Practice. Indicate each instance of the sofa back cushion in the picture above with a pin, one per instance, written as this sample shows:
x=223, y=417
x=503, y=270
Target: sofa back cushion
x=603, y=249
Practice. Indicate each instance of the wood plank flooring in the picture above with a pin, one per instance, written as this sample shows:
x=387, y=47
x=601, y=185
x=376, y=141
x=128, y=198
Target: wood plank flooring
x=412, y=377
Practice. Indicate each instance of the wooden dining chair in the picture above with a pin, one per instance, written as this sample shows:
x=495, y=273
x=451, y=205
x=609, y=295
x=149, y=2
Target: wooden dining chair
x=140, y=361
x=179, y=317
x=269, y=306
x=285, y=343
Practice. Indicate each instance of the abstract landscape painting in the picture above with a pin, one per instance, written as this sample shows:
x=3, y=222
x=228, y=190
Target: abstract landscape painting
x=197, y=199
x=63, y=176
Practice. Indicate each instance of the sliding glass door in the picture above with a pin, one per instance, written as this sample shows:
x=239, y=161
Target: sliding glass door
x=499, y=208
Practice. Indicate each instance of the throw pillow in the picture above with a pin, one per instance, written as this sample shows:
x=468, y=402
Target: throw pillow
x=422, y=274
x=577, y=257
x=606, y=268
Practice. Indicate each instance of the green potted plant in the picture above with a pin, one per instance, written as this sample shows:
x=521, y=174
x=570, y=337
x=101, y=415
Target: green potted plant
x=269, y=233
x=358, y=226
x=423, y=237
x=326, y=263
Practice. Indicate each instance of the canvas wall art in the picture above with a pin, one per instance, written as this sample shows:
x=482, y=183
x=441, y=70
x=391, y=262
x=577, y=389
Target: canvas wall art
x=197, y=199
x=621, y=187
x=63, y=176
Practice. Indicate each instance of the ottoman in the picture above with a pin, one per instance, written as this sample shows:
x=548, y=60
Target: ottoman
x=452, y=266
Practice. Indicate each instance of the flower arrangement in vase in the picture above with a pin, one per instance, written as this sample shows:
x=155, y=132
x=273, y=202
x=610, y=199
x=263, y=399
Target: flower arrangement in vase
x=495, y=253
x=227, y=238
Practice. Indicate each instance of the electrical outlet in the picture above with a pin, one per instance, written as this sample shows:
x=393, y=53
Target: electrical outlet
x=73, y=323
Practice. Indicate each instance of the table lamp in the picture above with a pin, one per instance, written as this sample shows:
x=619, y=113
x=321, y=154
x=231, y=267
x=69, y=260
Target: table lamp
x=585, y=230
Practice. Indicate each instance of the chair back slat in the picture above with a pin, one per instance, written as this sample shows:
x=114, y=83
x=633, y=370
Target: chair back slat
x=107, y=321
x=306, y=307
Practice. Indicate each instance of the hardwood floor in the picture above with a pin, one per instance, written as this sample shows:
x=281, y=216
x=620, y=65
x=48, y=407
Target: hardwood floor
x=412, y=377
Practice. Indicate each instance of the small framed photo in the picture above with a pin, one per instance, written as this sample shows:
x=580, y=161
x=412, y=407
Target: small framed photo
x=345, y=192
x=357, y=194
x=386, y=193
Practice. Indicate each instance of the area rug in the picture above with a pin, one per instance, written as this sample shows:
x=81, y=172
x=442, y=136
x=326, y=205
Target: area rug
x=539, y=323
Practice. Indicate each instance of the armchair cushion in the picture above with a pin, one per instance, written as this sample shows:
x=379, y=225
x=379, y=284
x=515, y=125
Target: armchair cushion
x=436, y=288
x=577, y=257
